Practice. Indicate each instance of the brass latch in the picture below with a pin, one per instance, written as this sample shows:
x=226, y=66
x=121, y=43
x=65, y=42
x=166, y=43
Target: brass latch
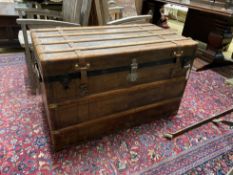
x=83, y=79
x=133, y=75
x=78, y=68
x=178, y=54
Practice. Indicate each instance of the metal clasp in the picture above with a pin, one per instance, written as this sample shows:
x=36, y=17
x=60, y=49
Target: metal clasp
x=178, y=54
x=78, y=68
x=83, y=80
x=133, y=76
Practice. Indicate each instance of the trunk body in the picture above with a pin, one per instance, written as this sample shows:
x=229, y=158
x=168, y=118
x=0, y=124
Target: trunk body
x=99, y=79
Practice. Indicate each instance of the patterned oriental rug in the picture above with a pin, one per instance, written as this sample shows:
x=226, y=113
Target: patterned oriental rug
x=25, y=143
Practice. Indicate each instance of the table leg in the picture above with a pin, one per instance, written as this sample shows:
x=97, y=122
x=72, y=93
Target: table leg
x=215, y=31
x=217, y=43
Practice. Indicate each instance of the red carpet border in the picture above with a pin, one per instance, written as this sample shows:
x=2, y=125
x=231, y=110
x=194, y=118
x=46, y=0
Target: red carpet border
x=25, y=143
x=195, y=157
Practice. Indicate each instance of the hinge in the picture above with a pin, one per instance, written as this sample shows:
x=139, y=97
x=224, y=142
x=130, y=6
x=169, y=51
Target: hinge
x=52, y=106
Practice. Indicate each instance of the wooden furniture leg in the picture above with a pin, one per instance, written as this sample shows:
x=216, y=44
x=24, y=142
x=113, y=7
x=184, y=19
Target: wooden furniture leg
x=216, y=32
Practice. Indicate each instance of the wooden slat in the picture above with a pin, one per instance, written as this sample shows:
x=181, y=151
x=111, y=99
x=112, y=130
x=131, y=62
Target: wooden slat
x=114, y=45
x=97, y=33
x=56, y=92
x=117, y=115
x=95, y=128
x=63, y=58
x=124, y=100
x=130, y=36
x=108, y=94
x=103, y=32
x=96, y=27
x=72, y=10
x=94, y=55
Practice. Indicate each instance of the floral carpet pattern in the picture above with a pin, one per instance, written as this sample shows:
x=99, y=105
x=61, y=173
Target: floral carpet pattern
x=25, y=143
x=207, y=152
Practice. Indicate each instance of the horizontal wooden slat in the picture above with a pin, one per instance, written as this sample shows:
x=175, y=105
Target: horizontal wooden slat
x=108, y=94
x=113, y=45
x=129, y=36
x=57, y=64
x=94, y=128
x=56, y=92
x=120, y=114
x=94, y=27
x=129, y=98
x=104, y=32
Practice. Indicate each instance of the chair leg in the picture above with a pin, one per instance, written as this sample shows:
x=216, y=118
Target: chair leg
x=33, y=81
x=31, y=78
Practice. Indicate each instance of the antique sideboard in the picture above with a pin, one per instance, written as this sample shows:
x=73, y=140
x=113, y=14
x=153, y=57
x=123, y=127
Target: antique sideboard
x=8, y=27
x=207, y=21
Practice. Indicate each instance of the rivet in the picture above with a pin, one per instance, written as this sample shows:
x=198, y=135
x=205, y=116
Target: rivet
x=76, y=66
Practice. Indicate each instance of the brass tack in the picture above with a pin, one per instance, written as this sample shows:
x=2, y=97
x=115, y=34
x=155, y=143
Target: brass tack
x=76, y=66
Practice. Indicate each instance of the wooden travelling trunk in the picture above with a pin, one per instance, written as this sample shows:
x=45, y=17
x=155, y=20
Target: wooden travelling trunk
x=99, y=79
